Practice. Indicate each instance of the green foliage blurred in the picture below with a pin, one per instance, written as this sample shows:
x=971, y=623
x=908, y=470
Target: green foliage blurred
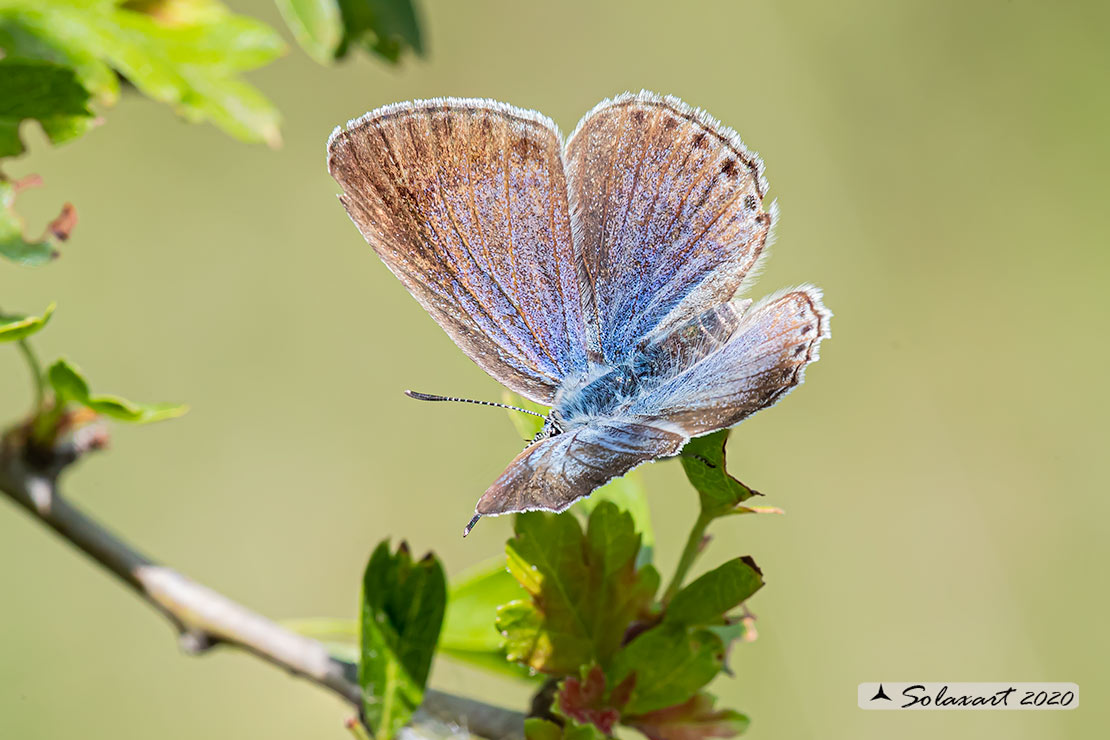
x=586, y=589
x=402, y=612
x=691, y=720
x=189, y=54
x=70, y=386
x=593, y=613
x=329, y=29
x=880, y=122
x=577, y=607
x=939, y=168
x=57, y=57
x=679, y=655
x=705, y=600
x=720, y=494
x=14, y=245
x=14, y=327
x=43, y=91
x=537, y=728
x=469, y=634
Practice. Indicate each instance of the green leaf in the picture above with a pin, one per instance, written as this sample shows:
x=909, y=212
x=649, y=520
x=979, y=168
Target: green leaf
x=43, y=91
x=536, y=728
x=705, y=601
x=13, y=244
x=703, y=459
x=522, y=629
x=403, y=604
x=471, y=605
x=69, y=385
x=612, y=547
x=383, y=27
x=526, y=425
x=26, y=41
x=468, y=633
x=13, y=328
x=187, y=55
x=586, y=589
x=670, y=662
x=737, y=627
x=629, y=495
x=316, y=24
x=692, y=720
x=574, y=731
x=68, y=382
x=493, y=662
x=121, y=409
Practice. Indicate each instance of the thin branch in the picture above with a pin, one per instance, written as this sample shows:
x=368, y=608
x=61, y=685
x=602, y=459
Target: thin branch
x=205, y=618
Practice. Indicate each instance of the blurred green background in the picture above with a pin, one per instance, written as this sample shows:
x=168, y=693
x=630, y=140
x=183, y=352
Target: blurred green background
x=942, y=173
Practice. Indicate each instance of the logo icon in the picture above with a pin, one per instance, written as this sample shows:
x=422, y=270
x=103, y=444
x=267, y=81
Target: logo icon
x=880, y=694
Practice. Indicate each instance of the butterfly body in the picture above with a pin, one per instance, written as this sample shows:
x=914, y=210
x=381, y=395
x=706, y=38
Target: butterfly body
x=601, y=394
x=596, y=276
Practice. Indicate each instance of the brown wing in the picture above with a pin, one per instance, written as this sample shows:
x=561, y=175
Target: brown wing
x=465, y=201
x=764, y=358
x=553, y=474
x=715, y=371
x=667, y=210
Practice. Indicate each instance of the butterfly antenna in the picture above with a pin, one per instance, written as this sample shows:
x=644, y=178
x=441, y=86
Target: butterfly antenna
x=433, y=397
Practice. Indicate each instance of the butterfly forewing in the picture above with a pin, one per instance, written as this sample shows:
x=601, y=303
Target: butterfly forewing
x=465, y=201
x=667, y=209
x=712, y=372
x=606, y=291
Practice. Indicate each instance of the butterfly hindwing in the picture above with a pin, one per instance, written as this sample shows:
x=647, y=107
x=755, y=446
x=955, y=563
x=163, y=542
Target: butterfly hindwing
x=688, y=343
x=605, y=290
x=711, y=372
x=763, y=359
x=465, y=201
x=554, y=473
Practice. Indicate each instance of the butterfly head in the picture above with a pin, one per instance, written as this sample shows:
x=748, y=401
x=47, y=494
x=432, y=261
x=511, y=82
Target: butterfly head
x=553, y=425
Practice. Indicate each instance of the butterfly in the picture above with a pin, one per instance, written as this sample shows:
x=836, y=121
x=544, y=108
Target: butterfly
x=596, y=276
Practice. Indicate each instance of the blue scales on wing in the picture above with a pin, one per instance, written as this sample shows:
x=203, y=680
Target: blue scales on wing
x=553, y=474
x=708, y=373
x=598, y=278
x=466, y=202
x=667, y=207
x=764, y=357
